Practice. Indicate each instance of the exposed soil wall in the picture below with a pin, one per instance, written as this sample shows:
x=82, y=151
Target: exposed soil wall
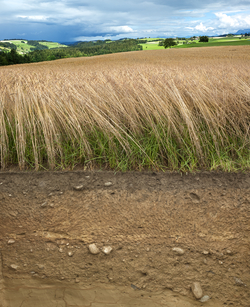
x=48, y=220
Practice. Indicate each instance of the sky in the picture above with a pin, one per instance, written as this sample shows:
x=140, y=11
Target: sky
x=84, y=20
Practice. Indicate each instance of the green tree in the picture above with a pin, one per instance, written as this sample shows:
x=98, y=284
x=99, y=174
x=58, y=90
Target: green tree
x=169, y=42
x=204, y=39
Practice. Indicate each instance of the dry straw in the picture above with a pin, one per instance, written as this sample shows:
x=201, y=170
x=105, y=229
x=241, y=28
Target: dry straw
x=175, y=109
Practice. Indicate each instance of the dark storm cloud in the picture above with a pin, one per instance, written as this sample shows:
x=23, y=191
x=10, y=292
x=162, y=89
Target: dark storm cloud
x=73, y=19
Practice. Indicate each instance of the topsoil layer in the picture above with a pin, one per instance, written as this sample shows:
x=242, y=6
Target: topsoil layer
x=48, y=220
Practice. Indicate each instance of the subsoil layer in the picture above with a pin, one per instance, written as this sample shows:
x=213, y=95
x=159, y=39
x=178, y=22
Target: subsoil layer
x=48, y=220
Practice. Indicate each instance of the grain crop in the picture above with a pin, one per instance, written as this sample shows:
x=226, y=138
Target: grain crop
x=167, y=109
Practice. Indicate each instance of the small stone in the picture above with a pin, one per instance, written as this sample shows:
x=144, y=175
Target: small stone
x=107, y=249
x=41, y=266
x=205, y=252
x=205, y=261
x=197, y=291
x=178, y=250
x=70, y=253
x=147, y=249
x=11, y=241
x=78, y=188
x=204, y=299
x=62, y=278
x=108, y=184
x=32, y=272
x=220, y=262
x=77, y=280
x=14, y=266
x=93, y=249
x=43, y=205
x=239, y=282
x=60, y=250
x=50, y=194
x=229, y=252
x=13, y=213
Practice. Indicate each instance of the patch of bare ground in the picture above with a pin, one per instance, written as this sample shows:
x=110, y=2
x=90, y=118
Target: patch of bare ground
x=169, y=233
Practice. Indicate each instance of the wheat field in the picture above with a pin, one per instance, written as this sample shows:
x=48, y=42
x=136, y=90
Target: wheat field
x=181, y=110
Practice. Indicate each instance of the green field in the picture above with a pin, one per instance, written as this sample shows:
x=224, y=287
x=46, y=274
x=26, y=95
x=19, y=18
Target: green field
x=151, y=46
x=227, y=41
x=52, y=45
x=217, y=42
x=23, y=47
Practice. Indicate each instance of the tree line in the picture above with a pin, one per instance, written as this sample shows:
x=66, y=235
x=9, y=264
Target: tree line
x=78, y=50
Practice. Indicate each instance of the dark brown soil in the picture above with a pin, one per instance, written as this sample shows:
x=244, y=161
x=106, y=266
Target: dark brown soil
x=142, y=216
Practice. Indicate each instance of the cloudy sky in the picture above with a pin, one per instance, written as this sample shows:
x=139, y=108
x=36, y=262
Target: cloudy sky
x=73, y=20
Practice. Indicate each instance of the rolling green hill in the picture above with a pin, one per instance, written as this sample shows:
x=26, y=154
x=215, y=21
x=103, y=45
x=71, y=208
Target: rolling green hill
x=26, y=46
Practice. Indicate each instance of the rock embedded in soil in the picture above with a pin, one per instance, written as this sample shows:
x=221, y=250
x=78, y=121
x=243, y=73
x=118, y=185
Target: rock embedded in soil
x=197, y=291
x=239, y=282
x=41, y=266
x=78, y=187
x=204, y=299
x=43, y=205
x=178, y=250
x=107, y=249
x=94, y=249
x=205, y=252
x=70, y=253
x=11, y=241
x=108, y=184
x=14, y=266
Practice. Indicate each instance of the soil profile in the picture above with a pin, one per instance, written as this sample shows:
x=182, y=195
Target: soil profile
x=167, y=231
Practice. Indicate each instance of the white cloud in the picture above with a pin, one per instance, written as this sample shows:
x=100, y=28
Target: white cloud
x=34, y=18
x=202, y=28
x=232, y=22
x=121, y=29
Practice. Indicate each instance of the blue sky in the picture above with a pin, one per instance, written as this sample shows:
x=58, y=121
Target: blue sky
x=73, y=20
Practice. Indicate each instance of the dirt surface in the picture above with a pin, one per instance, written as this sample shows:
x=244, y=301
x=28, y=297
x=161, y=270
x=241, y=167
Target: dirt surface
x=37, y=293
x=48, y=220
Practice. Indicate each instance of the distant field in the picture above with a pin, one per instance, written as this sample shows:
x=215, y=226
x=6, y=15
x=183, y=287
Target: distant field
x=213, y=43
x=174, y=109
x=52, y=45
x=151, y=46
x=23, y=47
x=227, y=41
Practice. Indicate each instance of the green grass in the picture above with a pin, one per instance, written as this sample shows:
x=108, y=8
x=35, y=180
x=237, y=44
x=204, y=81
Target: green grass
x=24, y=48
x=153, y=39
x=52, y=45
x=214, y=42
x=151, y=46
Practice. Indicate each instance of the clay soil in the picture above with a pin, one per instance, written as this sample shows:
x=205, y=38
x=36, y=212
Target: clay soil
x=48, y=220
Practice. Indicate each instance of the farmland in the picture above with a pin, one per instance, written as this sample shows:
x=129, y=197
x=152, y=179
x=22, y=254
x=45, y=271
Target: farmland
x=23, y=46
x=216, y=42
x=152, y=44
x=170, y=109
